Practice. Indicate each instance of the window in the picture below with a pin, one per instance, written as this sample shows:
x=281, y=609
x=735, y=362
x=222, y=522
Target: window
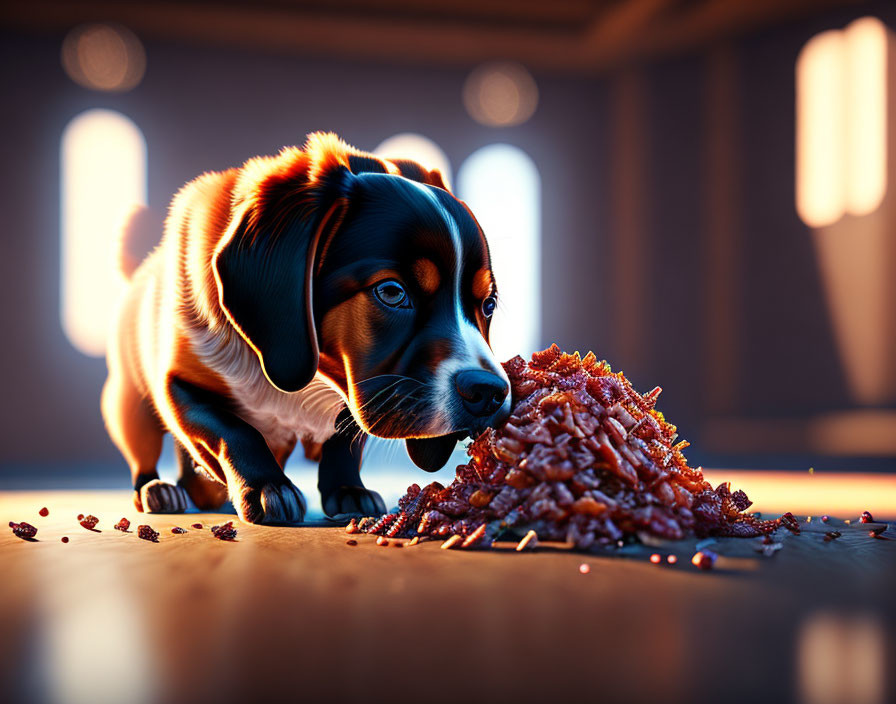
x=103, y=176
x=502, y=186
x=417, y=148
x=841, y=113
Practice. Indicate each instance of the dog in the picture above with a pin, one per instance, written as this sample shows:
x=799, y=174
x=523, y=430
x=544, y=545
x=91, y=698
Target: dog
x=321, y=295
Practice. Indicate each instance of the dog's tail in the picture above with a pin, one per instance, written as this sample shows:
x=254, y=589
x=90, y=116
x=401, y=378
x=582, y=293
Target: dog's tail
x=141, y=233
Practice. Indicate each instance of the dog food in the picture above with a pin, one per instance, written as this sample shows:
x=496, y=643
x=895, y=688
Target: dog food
x=122, y=525
x=177, y=530
x=583, y=458
x=44, y=512
x=23, y=530
x=224, y=532
x=147, y=533
x=89, y=522
x=64, y=538
x=197, y=526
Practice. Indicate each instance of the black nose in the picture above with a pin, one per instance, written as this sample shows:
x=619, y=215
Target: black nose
x=482, y=392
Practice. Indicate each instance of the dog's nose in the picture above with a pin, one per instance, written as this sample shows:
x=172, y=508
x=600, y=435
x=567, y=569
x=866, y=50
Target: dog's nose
x=482, y=392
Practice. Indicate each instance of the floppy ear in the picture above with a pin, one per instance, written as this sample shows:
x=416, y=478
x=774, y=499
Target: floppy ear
x=265, y=287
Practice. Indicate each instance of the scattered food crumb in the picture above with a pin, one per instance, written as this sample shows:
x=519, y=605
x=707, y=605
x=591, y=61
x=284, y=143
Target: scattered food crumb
x=23, y=530
x=197, y=526
x=44, y=512
x=122, y=525
x=655, y=558
x=584, y=568
x=89, y=522
x=451, y=542
x=147, y=533
x=64, y=538
x=414, y=541
x=825, y=519
x=397, y=544
x=224, y=532
x=877, y=530
x=867, y=517
x=832, y=535
x=848, y=522
x=529, y=540
x=671, y=559
x=351, y=541
x=811, y=470
x=80, y=516
x=704, y=559
x=352, y=526
x=177, y=530
x=382, y=541
x=788, y=520
x=808, y=519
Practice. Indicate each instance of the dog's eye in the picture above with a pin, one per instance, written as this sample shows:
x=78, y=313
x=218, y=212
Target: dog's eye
x=392, y=294
x=488, y=306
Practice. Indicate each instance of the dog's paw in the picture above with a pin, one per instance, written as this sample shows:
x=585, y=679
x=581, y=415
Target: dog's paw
x=353, y=501
x=273, y=503
x=206, y=493
x=160, y=497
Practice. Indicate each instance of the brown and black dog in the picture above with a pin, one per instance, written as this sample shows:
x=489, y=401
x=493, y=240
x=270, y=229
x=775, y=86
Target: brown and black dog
x=318, y=296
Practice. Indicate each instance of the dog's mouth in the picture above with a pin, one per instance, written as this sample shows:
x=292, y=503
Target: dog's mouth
x=431, y=454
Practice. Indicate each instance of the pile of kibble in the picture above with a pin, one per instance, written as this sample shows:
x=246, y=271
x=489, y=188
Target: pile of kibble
x=583, y=458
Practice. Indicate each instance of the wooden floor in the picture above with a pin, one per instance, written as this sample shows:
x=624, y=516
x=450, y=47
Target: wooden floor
x=295, y=614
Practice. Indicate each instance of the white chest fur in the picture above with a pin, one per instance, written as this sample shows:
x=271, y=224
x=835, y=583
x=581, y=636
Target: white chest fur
x=282, y=418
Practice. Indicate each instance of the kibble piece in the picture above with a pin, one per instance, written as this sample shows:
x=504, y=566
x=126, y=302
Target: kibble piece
x=382, y=541
x=351, y=541
x=224, y=532
x=352, y=527
x=414, y=541
x=44, y=512
x=197, y=526
x=177, y=530
x=530, y=539
x=451, y=542
x=867, y=517
x=704, y=559
x=23, y=530
x=80, y=516
x=123, y=525
x=89, y=522
x=831, y=535
x=584, y=568
x=147, y=533
x=64, y=538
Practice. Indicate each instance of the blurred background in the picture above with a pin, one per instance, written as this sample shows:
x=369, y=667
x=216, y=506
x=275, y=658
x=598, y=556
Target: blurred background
x=701, y=191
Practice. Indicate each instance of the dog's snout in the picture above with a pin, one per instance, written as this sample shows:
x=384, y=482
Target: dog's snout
x=482, y=393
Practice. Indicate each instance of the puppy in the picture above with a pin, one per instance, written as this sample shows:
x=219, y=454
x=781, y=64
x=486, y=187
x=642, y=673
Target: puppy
x=320, y=295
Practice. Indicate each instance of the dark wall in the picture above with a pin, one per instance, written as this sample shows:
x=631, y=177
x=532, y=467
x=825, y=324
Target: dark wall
x=203, y=108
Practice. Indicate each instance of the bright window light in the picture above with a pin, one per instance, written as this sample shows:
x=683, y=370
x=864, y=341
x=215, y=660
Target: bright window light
x=416, y=147
x=841, y=95
x=103, y=165
x=501, y=185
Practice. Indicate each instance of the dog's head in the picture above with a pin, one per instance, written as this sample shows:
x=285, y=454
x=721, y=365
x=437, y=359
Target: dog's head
x=369, y=272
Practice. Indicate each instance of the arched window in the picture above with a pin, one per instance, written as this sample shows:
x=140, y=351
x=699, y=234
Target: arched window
x=103, y=170
x=408, y=145
x=841, y=123
x=502, y=186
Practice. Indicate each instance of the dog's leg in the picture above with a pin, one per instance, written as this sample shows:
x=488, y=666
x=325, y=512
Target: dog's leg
x=134, y=427
x=339, y=473
x=207, y=493
x=238, y=453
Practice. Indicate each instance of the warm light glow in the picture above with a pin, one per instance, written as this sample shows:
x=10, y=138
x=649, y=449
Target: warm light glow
x=843, y=495
x=841, y=95
x=500, y=94
x=103, y=57
x=416, y=147
x=103, y=164
x=866, y=123
x=842, y=659
x=501, y=185
x=820, y=144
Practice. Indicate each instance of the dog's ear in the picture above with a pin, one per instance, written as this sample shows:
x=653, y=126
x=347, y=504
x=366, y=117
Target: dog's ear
x=264, y=269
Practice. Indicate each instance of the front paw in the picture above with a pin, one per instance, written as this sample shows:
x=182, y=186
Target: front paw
x=353, y=501
x=160, y=497
x=272, y=503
